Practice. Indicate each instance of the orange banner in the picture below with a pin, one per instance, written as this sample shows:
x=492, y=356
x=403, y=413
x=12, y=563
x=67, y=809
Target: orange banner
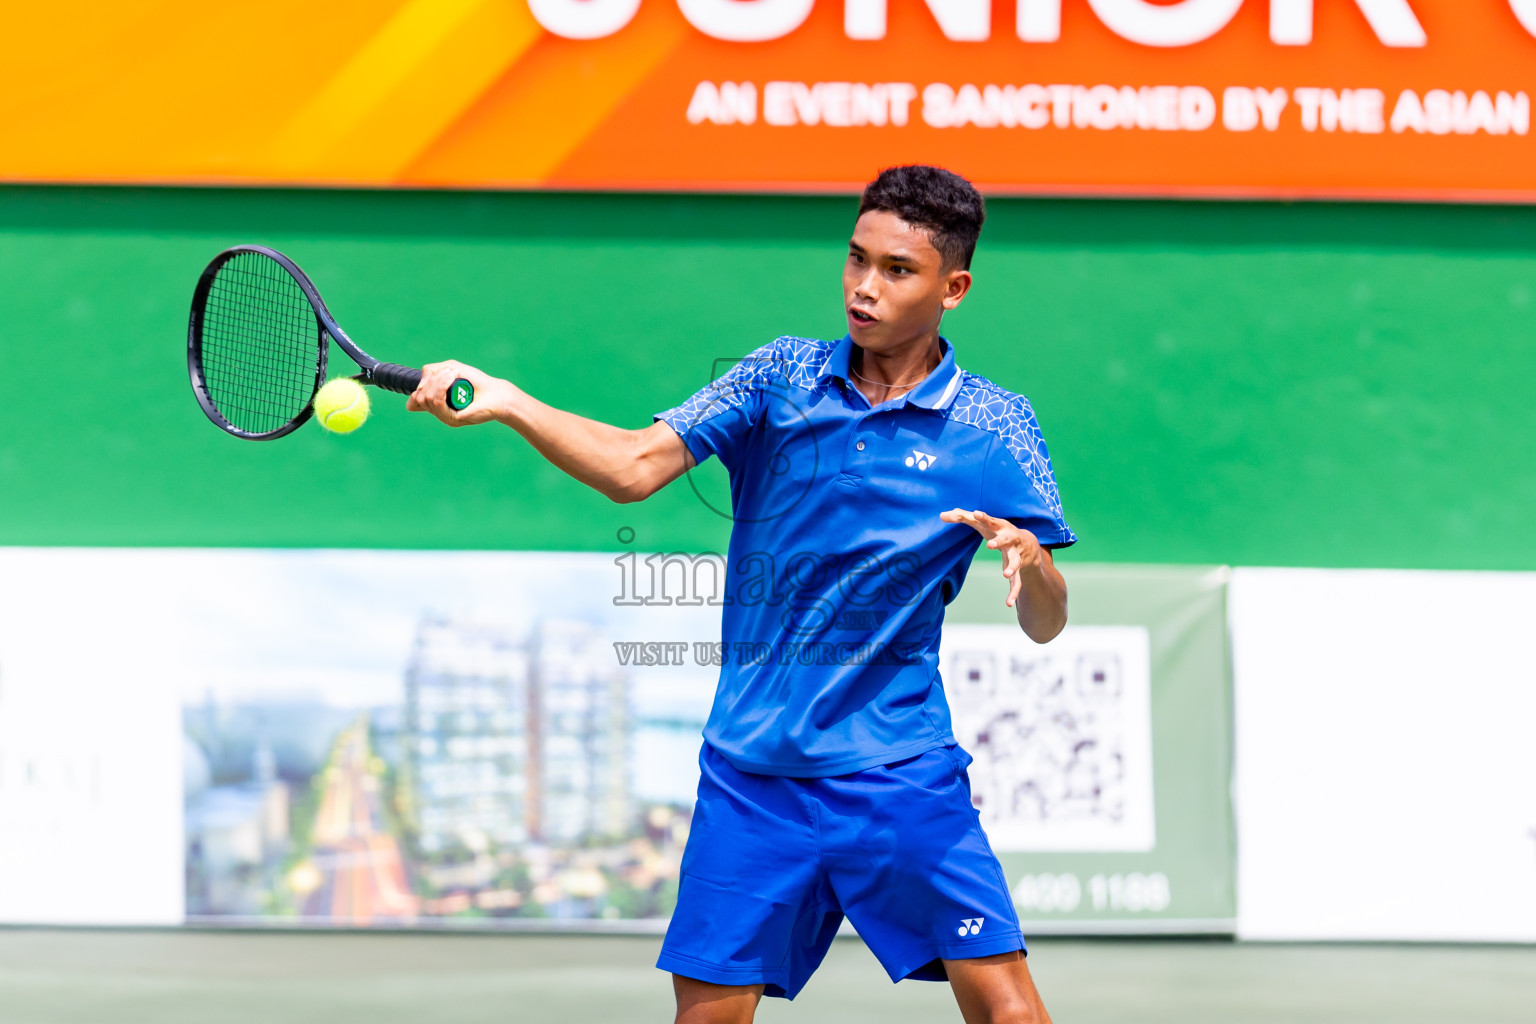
x=1409, y=99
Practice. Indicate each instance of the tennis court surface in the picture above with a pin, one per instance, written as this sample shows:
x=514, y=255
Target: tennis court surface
x=72, y=977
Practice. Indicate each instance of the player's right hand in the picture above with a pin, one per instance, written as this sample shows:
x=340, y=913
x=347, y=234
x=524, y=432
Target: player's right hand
x=492, y=394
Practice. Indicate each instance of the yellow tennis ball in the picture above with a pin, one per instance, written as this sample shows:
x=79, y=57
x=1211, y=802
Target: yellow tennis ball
x=341, y=405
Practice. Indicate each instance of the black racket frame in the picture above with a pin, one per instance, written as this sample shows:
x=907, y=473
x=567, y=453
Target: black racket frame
x=390, y=376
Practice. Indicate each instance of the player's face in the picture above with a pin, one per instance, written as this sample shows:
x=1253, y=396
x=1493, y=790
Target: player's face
x=895, y=285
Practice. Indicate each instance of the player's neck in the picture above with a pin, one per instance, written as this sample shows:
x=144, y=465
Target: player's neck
x=883, y=376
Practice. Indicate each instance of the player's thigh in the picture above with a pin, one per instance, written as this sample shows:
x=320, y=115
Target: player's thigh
x=912, y=868
x=995, y=989
x=702, y=1002
x=753, y=907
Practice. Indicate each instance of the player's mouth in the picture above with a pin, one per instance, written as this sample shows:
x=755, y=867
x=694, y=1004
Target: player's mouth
x=859, y=316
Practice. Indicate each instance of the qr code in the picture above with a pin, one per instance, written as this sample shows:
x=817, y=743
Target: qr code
x=1061, y=734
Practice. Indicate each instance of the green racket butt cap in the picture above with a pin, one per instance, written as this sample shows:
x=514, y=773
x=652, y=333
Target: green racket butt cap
x=461, y=394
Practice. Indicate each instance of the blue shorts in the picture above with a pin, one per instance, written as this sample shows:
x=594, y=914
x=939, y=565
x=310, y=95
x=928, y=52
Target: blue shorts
x=774, y=863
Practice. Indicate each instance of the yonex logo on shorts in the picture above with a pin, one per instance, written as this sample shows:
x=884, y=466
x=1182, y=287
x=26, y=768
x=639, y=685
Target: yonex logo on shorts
x=970, y=926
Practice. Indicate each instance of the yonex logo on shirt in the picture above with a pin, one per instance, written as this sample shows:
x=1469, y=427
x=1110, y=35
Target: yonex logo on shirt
x=922, y=460
x=970, y=926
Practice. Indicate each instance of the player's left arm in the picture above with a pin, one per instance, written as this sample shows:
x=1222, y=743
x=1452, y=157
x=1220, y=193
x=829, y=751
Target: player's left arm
x=1036, y=591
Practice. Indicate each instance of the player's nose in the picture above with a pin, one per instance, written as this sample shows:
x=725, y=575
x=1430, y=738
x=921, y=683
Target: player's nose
x=866, y=287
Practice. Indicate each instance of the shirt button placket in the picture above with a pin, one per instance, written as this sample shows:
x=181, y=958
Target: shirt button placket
x=852, y=469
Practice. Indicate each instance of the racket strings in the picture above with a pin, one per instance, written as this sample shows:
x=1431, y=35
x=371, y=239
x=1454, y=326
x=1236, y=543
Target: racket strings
x=261, y=344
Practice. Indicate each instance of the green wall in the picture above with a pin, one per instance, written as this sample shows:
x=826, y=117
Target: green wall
x=1330, y=385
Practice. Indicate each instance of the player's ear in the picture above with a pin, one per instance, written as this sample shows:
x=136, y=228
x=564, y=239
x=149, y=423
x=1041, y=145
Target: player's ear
x=957, y=283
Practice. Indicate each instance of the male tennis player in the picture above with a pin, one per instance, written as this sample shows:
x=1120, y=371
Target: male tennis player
x=865, y=473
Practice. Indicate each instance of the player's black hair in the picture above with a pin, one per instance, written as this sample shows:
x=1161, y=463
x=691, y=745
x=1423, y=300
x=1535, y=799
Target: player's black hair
x=933, y=198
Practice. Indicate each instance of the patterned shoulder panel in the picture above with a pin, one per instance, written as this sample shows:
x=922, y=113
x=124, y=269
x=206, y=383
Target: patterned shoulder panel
x=803, y=359
x=983, y=404
x=783, y=361
x=735, y=387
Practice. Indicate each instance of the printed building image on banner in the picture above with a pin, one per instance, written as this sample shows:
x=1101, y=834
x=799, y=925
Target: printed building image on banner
x=508, y=751
x=1427, y=99
x=1061, y=734
x=478, y=751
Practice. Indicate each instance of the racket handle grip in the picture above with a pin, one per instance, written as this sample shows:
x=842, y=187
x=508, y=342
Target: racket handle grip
x=404, y=379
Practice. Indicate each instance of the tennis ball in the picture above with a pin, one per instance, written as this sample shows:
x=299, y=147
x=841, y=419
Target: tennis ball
x=341, y=405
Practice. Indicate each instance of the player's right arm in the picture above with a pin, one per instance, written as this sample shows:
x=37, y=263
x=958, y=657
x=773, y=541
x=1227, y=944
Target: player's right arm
x=623, y=465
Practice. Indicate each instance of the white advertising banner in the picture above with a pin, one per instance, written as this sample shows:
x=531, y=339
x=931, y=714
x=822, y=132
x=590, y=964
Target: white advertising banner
x=1385, y=777
x=90, y=740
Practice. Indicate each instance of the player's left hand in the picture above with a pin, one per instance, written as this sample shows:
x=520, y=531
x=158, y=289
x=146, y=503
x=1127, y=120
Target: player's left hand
x=1021, y=549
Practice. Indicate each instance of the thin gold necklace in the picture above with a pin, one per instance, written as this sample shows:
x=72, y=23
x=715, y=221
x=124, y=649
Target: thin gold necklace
x=882, y=384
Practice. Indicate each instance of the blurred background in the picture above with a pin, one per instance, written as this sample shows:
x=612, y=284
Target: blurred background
x=367, y=727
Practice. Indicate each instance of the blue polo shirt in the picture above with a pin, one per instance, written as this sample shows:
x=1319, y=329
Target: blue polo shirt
x=839, y=566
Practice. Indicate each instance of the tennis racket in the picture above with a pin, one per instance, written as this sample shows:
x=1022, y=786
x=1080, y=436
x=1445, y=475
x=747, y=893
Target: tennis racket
x=258, y=342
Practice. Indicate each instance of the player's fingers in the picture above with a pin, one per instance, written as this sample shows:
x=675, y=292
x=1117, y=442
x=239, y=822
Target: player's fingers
x=983, y=523
x=982, y=519
x=431, y=395
x=431, y=385
x=425, y=394
x=980, y=528
x=449, y=373
x=958, y=515
x=994, y=525
x=423, y=386
x=1013, y=591
x=1011, y=560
